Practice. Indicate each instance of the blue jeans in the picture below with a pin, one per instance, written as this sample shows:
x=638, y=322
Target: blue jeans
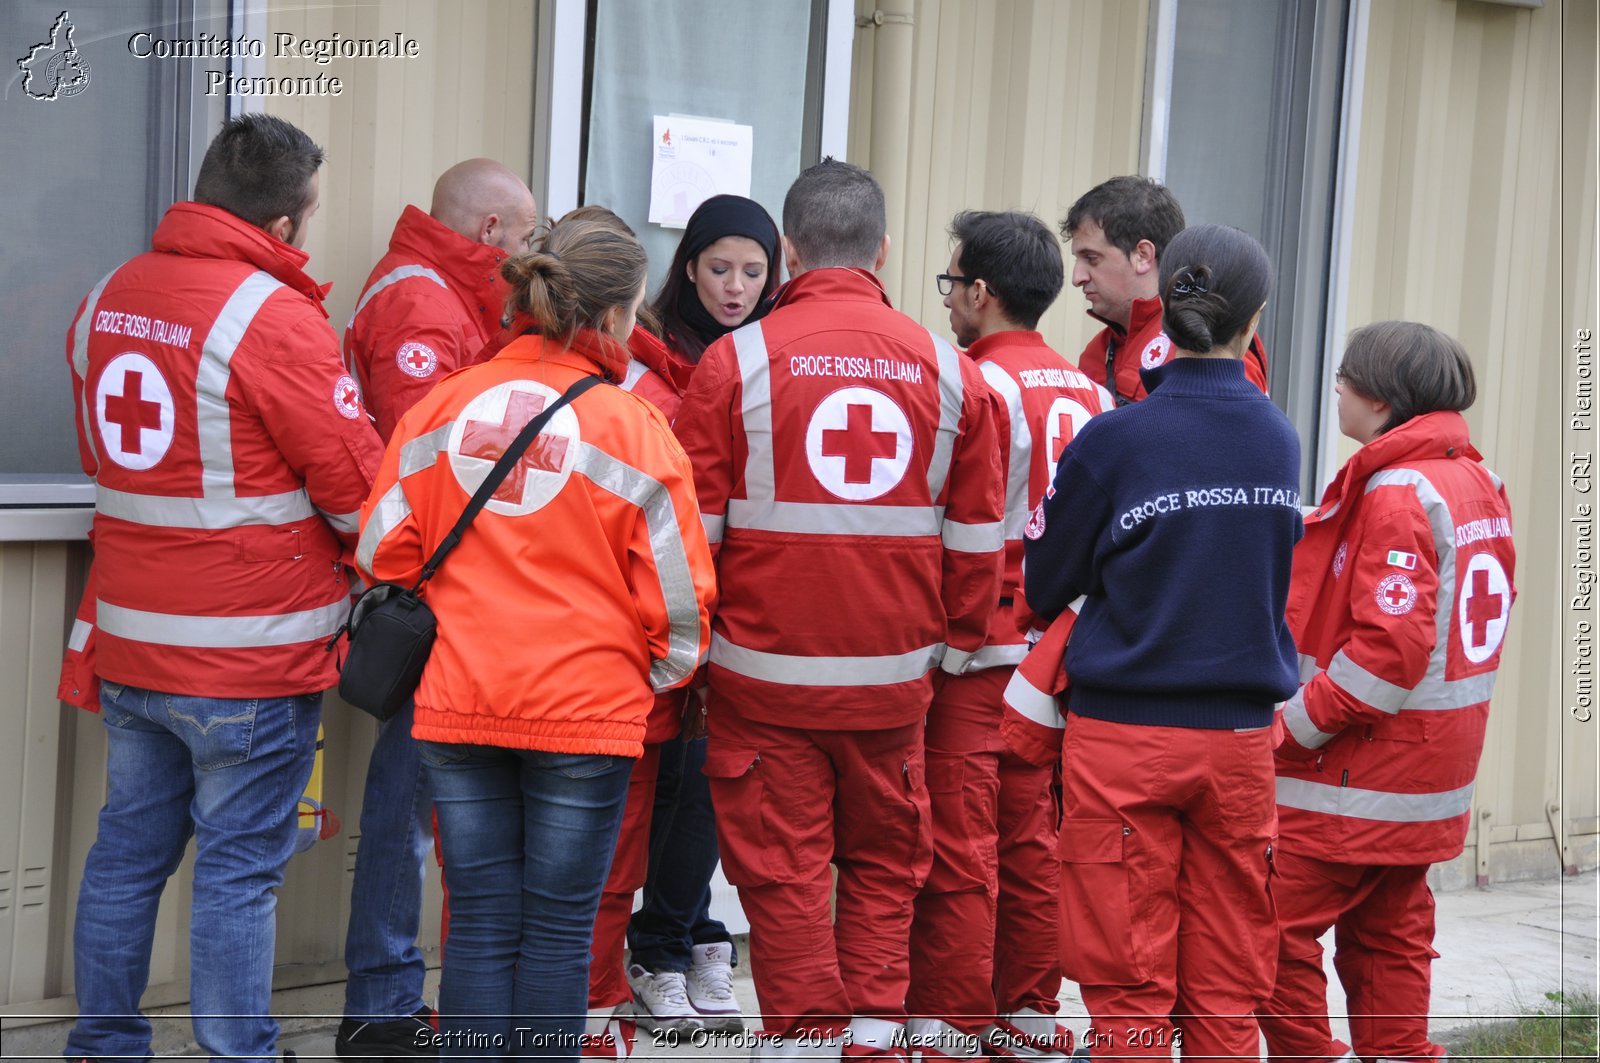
x=380, y=948
x=528, y=838
x=676, y=914
x=230, y=772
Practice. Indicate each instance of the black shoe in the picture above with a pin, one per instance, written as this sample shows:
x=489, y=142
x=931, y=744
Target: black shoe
x=408, y=1038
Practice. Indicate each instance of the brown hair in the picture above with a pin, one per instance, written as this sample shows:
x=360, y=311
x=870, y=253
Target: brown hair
x=582, y=268
x=594, y=212
x=1413, y=367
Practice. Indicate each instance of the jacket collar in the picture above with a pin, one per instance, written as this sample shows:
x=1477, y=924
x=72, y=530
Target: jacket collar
x=994, y=342
x=833, y=283
x=589, y=352
x=1142, y=313
x=656, y=356
x=467, y=264
x=201, y=231
x=1436, y=436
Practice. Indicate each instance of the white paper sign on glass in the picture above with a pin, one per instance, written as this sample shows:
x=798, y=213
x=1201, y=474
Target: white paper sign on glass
x=694, y=159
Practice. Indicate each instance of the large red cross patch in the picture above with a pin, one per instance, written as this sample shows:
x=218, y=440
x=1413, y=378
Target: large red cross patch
x=488, y=440
x=858, y=444
x=132, y=413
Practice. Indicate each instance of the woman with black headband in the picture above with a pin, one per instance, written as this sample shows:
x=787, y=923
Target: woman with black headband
x=722, y=276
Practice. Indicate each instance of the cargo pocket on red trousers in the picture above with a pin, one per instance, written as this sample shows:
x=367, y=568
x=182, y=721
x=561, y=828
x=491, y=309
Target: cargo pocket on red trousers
x=747, y=824
x=964, y=833
x=1105, y=933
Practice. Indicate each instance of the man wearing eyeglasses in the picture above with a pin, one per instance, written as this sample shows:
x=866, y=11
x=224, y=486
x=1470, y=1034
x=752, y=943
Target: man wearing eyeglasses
x=1118, y=230
x=985, y=965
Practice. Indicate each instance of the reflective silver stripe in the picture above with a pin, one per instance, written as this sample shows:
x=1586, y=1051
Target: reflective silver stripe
x=944, y=441
x=1364, y=686
x=422, y=452
x=973, y=538
x=957, y=662
x=1308, y=668
x=876, y=1033
x=1373, y=804
x=666, y=546
x=1298, y=721
x=222, y=632
x=824, y=671
x=824, y=518
x=713, y=525
x=169, y=511
x=996, y=656
x=399, y=274
x=386, y=516
x=211, y=382
x=349, y=523
x=1021, y=444
x=636, y=370
x=1033, y=704
x=81, y=329
x=79, y=638
x=1434, y=691
x=755, y=408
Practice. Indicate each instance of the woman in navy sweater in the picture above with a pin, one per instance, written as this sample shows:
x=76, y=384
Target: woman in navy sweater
x=1176, y=518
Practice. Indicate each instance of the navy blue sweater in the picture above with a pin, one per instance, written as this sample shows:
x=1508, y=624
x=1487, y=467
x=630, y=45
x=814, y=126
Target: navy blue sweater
x=1177, y=517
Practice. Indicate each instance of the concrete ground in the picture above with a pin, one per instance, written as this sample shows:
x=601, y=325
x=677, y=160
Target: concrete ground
x=1502, y=949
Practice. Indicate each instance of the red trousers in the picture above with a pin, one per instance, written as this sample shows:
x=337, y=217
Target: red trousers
x=984, y=936
x=1167, y=922
x=1383, y=949
x=630, y=863
x=788, y=801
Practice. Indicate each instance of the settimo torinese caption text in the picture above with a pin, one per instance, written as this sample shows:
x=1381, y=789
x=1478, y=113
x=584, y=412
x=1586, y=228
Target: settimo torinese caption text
x=319, y=51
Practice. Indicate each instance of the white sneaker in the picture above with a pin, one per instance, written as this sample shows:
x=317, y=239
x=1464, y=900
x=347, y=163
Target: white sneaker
x=709, y=984
x=661, y=1001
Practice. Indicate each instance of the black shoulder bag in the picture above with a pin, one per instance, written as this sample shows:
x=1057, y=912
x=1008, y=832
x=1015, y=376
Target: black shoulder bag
x=391, y=628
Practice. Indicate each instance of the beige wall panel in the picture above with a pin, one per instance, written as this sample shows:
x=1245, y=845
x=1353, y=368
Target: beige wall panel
x=1458, y=225
x=399, y=123
x=1016, y=104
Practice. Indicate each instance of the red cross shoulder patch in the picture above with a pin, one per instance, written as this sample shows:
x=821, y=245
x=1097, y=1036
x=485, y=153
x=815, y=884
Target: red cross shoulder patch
x=416, y=359
x=347, y=397
x=1397, y=595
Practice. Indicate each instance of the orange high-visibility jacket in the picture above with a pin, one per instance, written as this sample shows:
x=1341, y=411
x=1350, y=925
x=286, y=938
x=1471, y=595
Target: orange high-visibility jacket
x=581, y=589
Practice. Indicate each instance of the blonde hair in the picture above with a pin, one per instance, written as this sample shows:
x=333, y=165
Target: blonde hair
x=581, y=269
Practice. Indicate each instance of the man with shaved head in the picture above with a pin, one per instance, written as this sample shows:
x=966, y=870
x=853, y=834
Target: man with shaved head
x=429, y=307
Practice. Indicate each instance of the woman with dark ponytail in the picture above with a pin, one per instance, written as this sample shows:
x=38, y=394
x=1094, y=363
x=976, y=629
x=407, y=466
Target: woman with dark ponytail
x=1176, y=518
x=575, y=595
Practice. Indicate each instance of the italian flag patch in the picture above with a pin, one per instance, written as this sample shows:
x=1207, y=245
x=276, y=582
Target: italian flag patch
x=1401, y=559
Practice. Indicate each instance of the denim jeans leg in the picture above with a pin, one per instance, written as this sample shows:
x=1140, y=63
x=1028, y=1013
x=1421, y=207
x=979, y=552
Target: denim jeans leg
x=676, y=913
x=386, y=966
x=527, y=839
x=143, y=829
x=252, y=760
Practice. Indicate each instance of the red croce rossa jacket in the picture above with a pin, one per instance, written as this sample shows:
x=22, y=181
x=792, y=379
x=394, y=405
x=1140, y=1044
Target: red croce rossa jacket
x=1145, y=346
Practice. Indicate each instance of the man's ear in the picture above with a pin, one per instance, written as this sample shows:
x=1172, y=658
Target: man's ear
x=281, y=227
x=487, y=228
x=883, y=254
x=791, y=257
x=1143, y=257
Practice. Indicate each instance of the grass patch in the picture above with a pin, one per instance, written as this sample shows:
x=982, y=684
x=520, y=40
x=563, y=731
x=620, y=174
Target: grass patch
x=1565, y=1028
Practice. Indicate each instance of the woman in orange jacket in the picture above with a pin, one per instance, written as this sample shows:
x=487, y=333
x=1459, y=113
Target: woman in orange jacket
x=579, y=592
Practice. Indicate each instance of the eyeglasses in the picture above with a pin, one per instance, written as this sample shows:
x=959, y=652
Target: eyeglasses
x=946, y=282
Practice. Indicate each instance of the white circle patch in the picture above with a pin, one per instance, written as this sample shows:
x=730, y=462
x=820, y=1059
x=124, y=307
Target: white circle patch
x=1339, y=557
x=347, y=396
x=1155, y=352
x=1397, y=595
x=1062, y=424
x=416, y=359
x=1483, y=605
x=490, y=423
x=134, y=408
x=858, y=443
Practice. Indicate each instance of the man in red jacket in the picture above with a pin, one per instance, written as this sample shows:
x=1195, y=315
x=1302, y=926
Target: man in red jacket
x=428, y=308
x=1118, y=230
x=436, y=297
x=847, y=469
x=231, y=455
x=985, y=962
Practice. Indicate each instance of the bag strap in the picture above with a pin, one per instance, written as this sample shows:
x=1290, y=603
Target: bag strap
x=501, y=470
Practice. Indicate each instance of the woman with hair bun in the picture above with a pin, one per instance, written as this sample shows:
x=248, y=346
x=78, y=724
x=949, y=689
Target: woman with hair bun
x=1176, y=519
x=578, y=592
x=1402, y=592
